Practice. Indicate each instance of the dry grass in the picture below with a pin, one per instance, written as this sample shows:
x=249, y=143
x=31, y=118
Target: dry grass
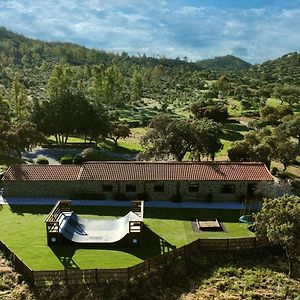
x=250, y=283
x=238, y=275
x=12, y=286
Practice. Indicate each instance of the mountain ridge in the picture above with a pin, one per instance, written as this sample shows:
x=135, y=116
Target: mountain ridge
x=227, y=62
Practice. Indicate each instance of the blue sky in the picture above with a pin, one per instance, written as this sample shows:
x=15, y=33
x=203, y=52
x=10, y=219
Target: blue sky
x=253, y=30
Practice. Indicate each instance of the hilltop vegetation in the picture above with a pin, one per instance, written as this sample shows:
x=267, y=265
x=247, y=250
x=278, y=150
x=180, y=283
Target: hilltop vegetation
x=227, y=63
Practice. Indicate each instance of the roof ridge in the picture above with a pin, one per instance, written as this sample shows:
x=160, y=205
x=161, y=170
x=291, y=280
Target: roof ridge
x=176, y=162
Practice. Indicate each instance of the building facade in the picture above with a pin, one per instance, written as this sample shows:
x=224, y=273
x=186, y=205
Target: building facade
x=177, y=181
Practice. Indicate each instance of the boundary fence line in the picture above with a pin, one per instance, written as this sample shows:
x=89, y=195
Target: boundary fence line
x=88, y=276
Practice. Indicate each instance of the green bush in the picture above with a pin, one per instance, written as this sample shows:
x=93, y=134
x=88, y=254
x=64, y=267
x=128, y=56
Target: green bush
x=78, y=160
x=42, y=161
x=90, y=154
x=65, y=160
x=283, y=175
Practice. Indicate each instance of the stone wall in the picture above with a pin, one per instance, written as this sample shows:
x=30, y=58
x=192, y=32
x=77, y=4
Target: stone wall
x=152, y=190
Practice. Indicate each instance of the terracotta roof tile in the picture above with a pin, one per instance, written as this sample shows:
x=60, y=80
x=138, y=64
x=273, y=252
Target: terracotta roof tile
x=174, y=171
x=42, y=172
x=134, y=171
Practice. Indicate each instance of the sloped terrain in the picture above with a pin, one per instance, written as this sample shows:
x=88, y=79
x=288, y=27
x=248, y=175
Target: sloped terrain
x=237, y=275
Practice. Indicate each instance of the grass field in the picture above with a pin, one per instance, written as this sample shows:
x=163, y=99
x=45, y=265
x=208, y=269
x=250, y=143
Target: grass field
x=22, y=229
x=232, y=132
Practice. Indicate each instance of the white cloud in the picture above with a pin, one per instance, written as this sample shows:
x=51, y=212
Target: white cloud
x=158, y=27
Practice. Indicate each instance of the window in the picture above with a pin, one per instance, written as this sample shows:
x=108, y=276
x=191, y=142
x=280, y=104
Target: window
x=228, y=189
x=107, y=188
x=159, y=188
x=130, y=188
x=193, y=188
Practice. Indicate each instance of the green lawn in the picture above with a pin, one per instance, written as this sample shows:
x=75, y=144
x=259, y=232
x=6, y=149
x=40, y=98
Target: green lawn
x=234, y=107
x=273, y=102
x=22, y=229
x=232, y=132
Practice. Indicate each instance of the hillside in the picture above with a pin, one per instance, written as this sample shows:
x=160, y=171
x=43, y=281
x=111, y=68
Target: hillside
x=226, y=63
x=17, y=49
x=283, y=70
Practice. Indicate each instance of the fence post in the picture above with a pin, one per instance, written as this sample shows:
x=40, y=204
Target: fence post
x=128, y=274
x=227, y=245
x=96, y=270
x=66, y=276
x=148, y=266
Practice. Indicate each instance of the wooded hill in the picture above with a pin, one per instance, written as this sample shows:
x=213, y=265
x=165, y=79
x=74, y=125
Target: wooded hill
x=36, y=59
x=42, y=82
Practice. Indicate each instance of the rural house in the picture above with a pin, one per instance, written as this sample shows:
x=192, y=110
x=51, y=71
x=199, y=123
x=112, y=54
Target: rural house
x=188, y=181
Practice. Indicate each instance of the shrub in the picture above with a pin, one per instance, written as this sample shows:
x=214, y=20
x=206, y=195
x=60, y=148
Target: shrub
x=78, y=160
x=90, y=154
x=42, y=161
x=238, y=97
x=246, y=104
x=283, y=175
x=65, y=160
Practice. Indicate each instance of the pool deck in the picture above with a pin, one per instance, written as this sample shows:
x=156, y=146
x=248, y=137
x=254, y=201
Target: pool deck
x=52, y=201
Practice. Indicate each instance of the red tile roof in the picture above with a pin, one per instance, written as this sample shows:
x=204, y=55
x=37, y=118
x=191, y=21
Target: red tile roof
x=134, y=171
x=42, y=172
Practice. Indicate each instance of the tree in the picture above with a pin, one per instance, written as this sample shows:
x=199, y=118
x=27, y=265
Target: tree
x=206, y=138
x=4, y=130
x=18, y=136
x=68, y=110
x=279, y=222
x=291, y=127
x=173, y=138
x=18, y=99
x=274, y=115
x=206, y=109
x=254, y=147
x=288, y=93
x=24, y=136
x=117, y=129
x=107, y=85
x=136, y=87
x=4, y=109
x=223, y=85
x=265, y=146
x=166, y=138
